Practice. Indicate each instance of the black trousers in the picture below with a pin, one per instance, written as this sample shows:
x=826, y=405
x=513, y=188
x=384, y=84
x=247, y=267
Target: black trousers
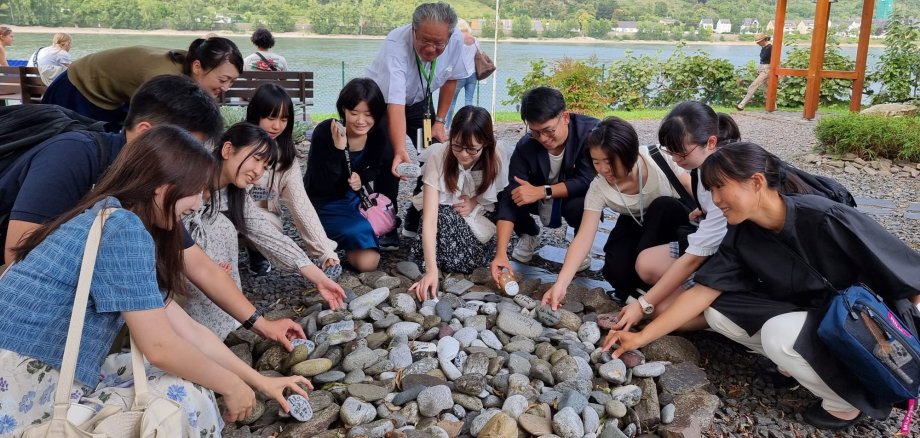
x=415, y=118
x=662, y=221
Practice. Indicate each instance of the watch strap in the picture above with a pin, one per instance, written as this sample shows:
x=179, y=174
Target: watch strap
x=252, y=319
x=647, y=307
x=548, y=191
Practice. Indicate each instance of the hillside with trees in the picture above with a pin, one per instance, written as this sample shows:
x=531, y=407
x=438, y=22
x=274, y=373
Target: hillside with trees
x=560, y=18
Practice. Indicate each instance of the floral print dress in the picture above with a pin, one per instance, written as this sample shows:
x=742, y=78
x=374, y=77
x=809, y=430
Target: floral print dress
x=27, y=393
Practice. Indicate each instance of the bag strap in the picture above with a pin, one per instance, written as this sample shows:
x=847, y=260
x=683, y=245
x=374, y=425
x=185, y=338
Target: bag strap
x=799, y=257
x=685, y=198
x=366, y=202
x=267, y=62
x=35, y=56
x=75, y=330
x=695, y=186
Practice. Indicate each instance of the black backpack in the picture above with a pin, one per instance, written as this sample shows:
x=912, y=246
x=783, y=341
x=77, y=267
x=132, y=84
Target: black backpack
x=25, y=126
x=823, y=186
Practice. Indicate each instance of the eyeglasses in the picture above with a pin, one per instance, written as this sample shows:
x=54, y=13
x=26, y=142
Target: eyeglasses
x=437, y=45
x=545, y=132
x=470, y=150
x=683, y=156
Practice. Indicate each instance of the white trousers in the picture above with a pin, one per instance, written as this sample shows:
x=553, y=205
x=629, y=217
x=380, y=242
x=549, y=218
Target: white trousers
x=776, y=341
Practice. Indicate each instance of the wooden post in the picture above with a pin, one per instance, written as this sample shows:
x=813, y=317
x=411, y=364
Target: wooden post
x=816, y=63
x=776, y=56
x=862, y=52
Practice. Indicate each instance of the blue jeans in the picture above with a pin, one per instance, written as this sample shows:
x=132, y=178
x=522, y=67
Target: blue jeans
x=468, y=86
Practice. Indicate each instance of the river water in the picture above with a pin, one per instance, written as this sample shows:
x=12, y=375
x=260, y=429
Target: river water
x=334, y=59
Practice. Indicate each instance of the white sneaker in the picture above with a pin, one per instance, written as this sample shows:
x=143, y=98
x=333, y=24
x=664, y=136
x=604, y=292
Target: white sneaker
x=585, y=264
x=409, y=234
x=527, y=245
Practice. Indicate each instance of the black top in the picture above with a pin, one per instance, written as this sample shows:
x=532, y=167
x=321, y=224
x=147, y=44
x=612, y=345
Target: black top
x=326, y=178
x=530, y=162
x=760, y=278
x=765, y=53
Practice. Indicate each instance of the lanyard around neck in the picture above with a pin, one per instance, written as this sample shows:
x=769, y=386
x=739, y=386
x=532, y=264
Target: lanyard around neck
x=623, y=198
x=425, y=77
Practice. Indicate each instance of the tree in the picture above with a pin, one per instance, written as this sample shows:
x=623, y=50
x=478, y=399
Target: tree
x=521, y=28
x=488, y=28
x=898, y=70
x=605, y=9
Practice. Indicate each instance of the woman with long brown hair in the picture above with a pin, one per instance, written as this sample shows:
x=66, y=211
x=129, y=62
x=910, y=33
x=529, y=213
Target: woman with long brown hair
x=462, y=179
x=156, y=178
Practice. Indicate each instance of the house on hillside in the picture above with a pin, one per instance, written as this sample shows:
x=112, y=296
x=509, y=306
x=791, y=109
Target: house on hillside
x=749, y=25
x=626, y=27
x=706, y=23
x=805, y=27
x=669, y=22
x=724, y=25
x=537, y=25
x=506, y=24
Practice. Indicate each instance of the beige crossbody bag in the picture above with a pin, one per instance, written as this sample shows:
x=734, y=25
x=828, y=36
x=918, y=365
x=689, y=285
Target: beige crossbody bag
x=152, y=415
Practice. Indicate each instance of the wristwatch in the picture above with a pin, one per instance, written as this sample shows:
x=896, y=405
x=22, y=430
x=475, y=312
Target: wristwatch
x=439, y=119
x=548, y=190
x=252, y=319
x=647, y=307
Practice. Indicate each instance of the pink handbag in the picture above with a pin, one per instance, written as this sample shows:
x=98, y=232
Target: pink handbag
x=378, y=210
x=375, y=207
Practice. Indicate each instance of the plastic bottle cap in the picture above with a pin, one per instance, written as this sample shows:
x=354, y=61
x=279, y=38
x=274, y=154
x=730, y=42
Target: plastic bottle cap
x=511, y=288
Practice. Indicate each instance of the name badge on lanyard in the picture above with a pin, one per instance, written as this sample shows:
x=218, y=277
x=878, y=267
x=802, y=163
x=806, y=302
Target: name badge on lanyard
x=426, y=77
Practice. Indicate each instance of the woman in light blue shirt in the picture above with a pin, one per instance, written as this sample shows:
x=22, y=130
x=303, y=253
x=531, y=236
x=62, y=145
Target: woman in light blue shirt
x=140, y=255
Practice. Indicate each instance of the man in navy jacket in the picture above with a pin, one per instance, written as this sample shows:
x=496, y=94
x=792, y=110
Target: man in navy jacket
x=549, y=174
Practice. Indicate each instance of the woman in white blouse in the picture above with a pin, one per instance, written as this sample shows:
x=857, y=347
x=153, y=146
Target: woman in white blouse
x=54, y=59
x=630, y=182
x=462, y=179
x=690, y=133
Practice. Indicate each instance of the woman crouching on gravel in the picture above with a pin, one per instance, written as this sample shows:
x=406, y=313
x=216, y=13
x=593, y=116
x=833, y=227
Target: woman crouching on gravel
x=758, y=290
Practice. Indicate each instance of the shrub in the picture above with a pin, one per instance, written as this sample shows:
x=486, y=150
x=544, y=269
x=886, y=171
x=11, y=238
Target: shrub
x=581, y=83
x=898, y=69
x=791, y=90
x=870, y=136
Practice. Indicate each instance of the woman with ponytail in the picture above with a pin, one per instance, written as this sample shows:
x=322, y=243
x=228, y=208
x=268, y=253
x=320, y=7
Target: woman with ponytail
x=761, y=288
x=100, y=85
x=691, y=132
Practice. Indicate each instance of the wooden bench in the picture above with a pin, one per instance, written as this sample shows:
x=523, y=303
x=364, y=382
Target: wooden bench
x=298, y=84
x=22, y=84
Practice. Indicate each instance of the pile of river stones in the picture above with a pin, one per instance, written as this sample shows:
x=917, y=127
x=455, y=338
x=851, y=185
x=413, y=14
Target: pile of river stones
x=472, y=363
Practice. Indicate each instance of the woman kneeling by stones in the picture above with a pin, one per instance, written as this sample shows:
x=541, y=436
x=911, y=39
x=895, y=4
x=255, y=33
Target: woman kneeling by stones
x=156, y=178
x=243, y=154
x=462, y=179
x=758, y=291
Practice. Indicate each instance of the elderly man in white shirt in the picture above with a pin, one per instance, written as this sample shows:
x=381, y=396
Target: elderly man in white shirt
x=415, y=61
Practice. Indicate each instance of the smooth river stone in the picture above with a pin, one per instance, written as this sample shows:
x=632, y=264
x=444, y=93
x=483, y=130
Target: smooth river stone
x=516, y=324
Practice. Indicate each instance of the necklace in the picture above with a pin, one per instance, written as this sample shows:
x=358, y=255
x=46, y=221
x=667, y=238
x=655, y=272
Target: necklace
x=623, y=198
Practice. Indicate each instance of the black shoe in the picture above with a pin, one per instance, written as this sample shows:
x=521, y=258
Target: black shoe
x=389, y=241
x=816, y=416
x=260, y=267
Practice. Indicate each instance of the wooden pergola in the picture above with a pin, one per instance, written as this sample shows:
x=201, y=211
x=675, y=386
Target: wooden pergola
x=815, y=71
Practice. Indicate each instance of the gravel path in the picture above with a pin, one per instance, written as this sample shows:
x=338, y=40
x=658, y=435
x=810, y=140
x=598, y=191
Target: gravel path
x=749, y=406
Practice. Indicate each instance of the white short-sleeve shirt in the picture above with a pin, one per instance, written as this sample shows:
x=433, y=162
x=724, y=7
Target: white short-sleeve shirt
x=396, y=71
x=468, y=181
x=601, y=194
x=707, y=238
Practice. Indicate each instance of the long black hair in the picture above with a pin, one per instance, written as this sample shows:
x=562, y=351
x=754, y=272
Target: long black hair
x=693, y=122
x=741, y=160
x=271, y=100
x=472, y=123
x=240, y=135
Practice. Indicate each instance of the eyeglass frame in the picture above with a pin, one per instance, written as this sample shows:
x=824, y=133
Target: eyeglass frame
x=536, y=134
x=682, y=155
x=436, y=46
x=470, y=151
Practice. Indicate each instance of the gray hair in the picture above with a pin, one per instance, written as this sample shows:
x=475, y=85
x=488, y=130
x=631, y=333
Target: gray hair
x=439, y=12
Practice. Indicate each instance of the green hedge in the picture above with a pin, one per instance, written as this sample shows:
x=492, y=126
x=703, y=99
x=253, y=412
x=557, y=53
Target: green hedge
x=870, y=136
